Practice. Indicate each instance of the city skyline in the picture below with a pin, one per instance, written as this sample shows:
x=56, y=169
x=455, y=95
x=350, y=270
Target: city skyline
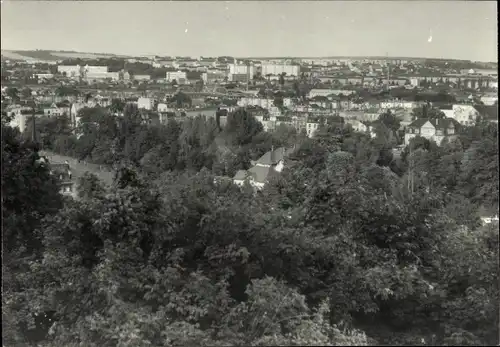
x=459, y=30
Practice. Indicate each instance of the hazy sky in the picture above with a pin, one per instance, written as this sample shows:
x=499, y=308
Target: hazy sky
x=460, y=29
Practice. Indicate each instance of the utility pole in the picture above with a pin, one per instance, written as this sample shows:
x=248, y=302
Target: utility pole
x=33, y=132
x=388, y=70
x=248, y=74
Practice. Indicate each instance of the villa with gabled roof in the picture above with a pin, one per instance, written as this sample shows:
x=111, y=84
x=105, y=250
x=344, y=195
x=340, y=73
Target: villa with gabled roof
x=266, y=167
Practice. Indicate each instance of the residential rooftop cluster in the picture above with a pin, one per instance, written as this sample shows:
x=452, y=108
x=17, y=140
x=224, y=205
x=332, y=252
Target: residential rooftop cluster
x=304, y=94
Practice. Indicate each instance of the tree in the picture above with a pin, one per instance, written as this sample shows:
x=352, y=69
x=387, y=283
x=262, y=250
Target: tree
x=282, y=79
x=426, y=111
x=89, y=186
x=182, y=100
x=278, y=100
x=117, y=105
x=241, y=127
x=335, y=250
x=26, y=92
x=65, y=91
x=13, y=93
x=390, y=121
x=479, y=172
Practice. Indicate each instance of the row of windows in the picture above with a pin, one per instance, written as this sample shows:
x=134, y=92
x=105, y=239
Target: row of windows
x=67, y=189
x=438, y=132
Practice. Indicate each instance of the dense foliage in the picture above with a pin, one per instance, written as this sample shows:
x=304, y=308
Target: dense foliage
x=348, y=246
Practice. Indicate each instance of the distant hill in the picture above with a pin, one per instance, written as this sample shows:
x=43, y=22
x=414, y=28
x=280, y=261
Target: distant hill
x=50, y=56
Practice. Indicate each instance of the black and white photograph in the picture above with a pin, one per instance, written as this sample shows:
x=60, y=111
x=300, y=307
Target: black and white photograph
x=249, y=173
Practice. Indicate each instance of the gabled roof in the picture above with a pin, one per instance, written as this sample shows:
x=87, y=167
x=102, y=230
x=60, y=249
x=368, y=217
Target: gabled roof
x=64, y=103
x=275, y=156
x=262, y=174
x=241, y=175
x=446, y=107
x=437, y=123
x=418, y=123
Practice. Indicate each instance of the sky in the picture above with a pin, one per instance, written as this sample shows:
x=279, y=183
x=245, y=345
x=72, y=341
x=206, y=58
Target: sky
x=459, y=29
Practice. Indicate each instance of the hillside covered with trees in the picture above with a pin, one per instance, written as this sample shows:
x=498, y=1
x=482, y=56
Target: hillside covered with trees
x=348, y=246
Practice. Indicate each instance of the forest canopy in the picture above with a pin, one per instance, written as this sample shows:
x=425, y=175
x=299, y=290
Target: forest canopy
x=349, y=245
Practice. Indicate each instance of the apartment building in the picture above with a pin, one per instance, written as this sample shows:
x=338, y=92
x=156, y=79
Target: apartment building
x=179, y=76
x=278, y=69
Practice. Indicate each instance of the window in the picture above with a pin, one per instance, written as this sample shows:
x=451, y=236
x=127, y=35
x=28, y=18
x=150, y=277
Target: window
x=439, y=132
x=417, y=131
x=451, y=131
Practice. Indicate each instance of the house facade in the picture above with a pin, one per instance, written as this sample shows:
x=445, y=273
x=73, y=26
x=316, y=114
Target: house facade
x=357, y=125
x=432, y=129
x=145, y=103
x=66, y=184
x=464, y=114
x=266, y=167
x=53, y=110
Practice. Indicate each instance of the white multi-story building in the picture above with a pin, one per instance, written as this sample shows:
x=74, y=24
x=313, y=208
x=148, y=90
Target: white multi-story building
x=18, y=117
x=489, y=100
x=278, y=69
x=240, y=69
x=145, y=103
x=397, y=104
x=99, y=75
x=83, y=71
x=178, y=76
x=261, y=102
x=142, y=77
x=327, y=92
x=463, y=114
x=213, y=75
x=70, y=70
x=44, y=76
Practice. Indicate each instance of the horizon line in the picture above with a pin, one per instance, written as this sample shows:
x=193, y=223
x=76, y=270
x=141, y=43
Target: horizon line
x=120, y=55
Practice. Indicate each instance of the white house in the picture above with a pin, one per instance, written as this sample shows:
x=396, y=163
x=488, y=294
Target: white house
x=52, y=111
x=489, y=220
x=357, y=125
x=311, y=128
x=489, y=100
x=145, y=103
x=162, y=108
x=463, y=114
x=75, y=109
x=19, y=116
